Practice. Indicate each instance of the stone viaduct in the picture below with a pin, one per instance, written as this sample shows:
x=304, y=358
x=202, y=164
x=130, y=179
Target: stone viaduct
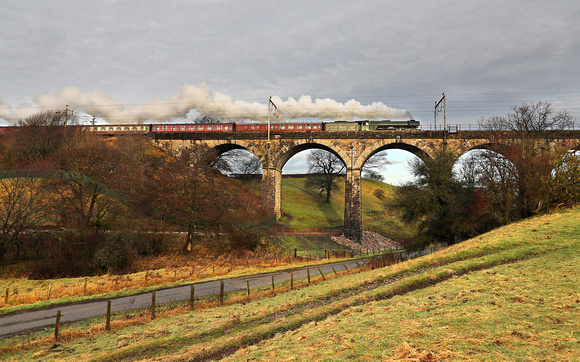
x=353, y=148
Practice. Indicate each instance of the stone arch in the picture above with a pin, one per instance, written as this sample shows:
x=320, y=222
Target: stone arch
x=225, y=147
x=286, y=156
x=240, y=163
x=370, y=151
x=503, y=149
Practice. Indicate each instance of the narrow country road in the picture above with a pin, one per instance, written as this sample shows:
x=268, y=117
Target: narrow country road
x=20, y=322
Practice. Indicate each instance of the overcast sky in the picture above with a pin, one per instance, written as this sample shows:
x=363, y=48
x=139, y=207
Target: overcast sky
x=154, y=60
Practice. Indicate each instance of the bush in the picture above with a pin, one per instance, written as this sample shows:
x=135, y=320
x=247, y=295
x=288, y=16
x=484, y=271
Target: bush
x=245, y=236
x=74, y=253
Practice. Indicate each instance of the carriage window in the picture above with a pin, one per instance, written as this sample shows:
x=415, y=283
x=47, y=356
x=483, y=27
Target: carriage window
x=182, y=128
x=299, y=126
x=219, y=128
x=209, y=128
x=308, y=126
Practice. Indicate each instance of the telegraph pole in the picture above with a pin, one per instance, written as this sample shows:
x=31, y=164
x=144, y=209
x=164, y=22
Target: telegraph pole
x=438, y=105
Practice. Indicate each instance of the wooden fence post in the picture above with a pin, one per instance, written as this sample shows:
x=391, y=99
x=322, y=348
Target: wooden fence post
x=344, y=265
x=57, y=325
x=291, y=279
x=85, y=287
x=153, y=297
x=320, y=271
x=6, y=296
x=248, y=286
x=308, y=273
x=108, y=320
x=222, y=289
x=333, y=269
x=192, y=296
x=272, y=281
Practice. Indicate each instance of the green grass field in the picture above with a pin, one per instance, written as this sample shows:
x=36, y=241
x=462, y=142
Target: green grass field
x=303, y=207
x=511, y=294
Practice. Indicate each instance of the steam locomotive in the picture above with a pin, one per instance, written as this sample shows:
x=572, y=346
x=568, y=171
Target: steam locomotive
x=275, y=128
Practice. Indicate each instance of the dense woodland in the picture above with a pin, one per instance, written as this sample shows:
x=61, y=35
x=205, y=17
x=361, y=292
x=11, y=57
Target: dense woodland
x=77, y=204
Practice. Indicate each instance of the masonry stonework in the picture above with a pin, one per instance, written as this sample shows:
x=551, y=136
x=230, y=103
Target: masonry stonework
x=353, y=148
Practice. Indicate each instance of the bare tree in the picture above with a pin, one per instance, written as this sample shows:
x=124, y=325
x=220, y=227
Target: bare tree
x=22, y=206
x=530, y=172
x=86, y=187
x=239, y=162
x=496, y=179
x=325, y=168
x=376, y=163
x=537, y=117
x=528, y=119
x=44, y=134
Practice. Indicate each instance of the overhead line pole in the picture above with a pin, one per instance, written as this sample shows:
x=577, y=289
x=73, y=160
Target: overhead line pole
x=437, y=104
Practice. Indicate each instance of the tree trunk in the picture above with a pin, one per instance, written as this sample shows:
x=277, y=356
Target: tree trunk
x=188, y=246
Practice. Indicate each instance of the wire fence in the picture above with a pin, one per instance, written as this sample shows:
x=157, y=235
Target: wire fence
x=306, y=231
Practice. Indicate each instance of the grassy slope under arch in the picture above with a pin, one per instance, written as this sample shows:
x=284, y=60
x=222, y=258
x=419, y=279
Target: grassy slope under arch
x=303, y=207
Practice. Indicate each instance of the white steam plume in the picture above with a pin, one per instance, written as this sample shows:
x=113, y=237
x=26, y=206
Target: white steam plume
x=200, y=98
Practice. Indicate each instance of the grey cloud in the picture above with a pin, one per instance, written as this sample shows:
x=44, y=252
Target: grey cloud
x=369, y=51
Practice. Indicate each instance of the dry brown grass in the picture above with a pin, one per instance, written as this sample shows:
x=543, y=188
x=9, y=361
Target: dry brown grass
x=66, y=335
x=154, y=271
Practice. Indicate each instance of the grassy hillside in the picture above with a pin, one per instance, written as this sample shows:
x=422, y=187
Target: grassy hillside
x=511, y=294
x=303, y=207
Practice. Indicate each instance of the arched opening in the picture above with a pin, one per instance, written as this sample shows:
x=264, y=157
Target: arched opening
x=239, y=163
x=312, y=187
x=395, y=171
x=495, y=180
x=388, y=167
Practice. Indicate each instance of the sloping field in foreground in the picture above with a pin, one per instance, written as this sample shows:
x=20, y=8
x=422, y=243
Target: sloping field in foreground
x=511, y=294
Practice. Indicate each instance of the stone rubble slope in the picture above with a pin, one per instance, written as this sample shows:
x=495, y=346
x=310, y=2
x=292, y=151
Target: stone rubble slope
x=369, y=240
